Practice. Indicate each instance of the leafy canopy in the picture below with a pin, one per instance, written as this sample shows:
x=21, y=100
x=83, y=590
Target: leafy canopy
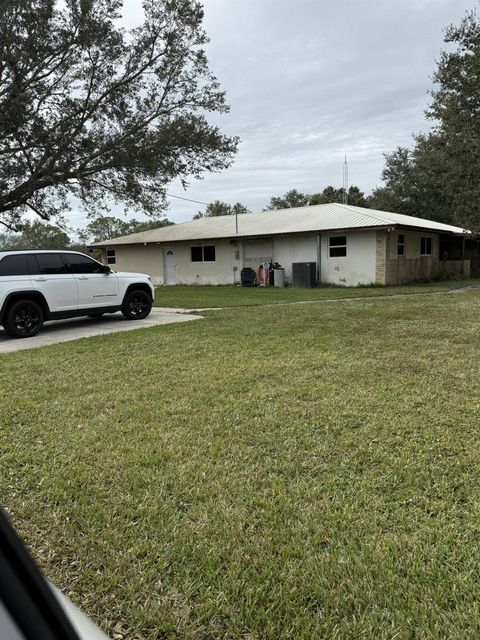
x=438, y=177
x=294, y=198
x=90, y=111
x=108, y=227
x=219, y=208
x=35, y=235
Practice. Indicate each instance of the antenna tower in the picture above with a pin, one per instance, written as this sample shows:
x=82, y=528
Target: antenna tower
x=345, y=181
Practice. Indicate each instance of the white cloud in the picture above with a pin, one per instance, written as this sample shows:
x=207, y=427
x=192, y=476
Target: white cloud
x=311, y=80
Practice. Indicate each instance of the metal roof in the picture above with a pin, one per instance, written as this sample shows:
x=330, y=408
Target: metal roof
x=317, y=218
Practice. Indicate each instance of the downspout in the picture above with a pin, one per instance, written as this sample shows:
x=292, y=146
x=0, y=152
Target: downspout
x=463, y=256
x=319, y=258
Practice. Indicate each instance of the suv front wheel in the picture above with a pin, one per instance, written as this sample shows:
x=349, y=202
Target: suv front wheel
x=23, y=319
x=136, y=305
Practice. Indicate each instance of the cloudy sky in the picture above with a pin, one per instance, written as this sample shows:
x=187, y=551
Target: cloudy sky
x=311, y=80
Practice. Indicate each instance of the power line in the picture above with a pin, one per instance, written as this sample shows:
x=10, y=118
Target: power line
x=187, y=199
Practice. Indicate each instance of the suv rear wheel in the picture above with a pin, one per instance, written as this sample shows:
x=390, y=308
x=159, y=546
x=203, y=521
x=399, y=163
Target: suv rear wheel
x=23, y=319
x=136, y=305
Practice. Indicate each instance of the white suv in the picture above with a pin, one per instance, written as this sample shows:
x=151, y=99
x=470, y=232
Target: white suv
x=49, y=285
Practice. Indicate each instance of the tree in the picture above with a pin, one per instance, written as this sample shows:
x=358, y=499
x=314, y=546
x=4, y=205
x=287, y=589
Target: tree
x=413, y=182
x=238, y=209
x=35, y=235
x=108, y=227
x=90, y=111
x=136, y=226
x=292, y=198
x=295, y=198
x=438, y=177
x=219, y=208
x=455, y=108
x=331, y=194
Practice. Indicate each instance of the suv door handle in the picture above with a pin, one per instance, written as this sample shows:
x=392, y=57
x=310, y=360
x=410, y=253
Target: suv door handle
x=82, y=278
x=40, y=279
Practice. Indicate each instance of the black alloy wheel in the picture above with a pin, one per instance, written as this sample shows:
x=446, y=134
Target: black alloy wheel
x=24, y=319
x=137, y=305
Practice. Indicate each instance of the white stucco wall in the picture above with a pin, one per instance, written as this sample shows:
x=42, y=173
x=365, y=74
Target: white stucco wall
x=150, y=259
x=140, y=258
x=290, y=249
x=358, y=267
x=218, y=272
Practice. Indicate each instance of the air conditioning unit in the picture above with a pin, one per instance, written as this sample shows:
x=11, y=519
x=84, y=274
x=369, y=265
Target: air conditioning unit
x=304, y=274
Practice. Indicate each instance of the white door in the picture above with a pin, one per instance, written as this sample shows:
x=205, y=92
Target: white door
x=170, y=267
x=95, y=287
x=97, y=290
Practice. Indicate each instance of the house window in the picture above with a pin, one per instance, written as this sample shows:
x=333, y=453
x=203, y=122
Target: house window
x=111, y=257
x=425, y=246
x=205, y=253
x=197, y=254
x=401, y=244
x=337, y=246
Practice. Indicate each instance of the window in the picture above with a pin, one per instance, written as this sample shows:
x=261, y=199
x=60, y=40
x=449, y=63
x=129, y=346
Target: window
x=14, y=266
x=81, y=264
x=111, y=257
x=425, y=246
x=47, y=264
x=401, y=244
x=209, y=253
x=197, y=254
x=205, y=253
x=337, y=246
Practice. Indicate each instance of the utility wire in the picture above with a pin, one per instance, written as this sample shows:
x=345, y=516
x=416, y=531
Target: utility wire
x=187, y=199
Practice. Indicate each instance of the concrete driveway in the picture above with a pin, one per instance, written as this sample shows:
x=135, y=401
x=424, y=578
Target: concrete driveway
x=76, y=328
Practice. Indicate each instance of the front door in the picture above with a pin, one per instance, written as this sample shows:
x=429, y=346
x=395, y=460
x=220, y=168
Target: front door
x=170, y=267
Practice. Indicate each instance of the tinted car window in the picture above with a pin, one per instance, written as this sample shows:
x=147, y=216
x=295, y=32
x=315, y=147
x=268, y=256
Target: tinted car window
x=81, y=264
x=48, y=263
x=14, y=266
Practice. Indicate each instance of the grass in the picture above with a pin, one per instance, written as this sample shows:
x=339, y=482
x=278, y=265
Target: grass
x=192, y=297
x=308, y=473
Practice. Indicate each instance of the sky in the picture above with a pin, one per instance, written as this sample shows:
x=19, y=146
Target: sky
x=309, y=81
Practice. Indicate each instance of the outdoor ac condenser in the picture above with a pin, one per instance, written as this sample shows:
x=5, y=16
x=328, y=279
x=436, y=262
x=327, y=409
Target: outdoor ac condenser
x=304, y=274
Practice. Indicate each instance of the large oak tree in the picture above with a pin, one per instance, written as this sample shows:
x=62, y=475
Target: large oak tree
x=439, y=176
x=92, y=111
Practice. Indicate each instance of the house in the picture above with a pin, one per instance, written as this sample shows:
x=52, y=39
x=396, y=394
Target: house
x=349, y=245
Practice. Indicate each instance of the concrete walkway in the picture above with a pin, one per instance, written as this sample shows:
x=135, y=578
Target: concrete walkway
x=76, y=328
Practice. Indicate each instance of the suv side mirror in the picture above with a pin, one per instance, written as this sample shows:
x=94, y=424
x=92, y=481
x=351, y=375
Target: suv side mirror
x=106, y=269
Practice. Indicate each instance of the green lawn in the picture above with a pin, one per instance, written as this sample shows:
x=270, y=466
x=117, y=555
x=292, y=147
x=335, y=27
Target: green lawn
x=307, y=472
x=194, y=297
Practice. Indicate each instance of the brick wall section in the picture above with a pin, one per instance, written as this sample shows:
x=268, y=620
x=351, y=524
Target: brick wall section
x=394, y=269
x=391, y=262
x=455, y=268
x=381, y=257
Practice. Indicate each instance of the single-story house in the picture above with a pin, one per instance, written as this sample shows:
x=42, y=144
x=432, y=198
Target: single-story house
x=349, y=246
